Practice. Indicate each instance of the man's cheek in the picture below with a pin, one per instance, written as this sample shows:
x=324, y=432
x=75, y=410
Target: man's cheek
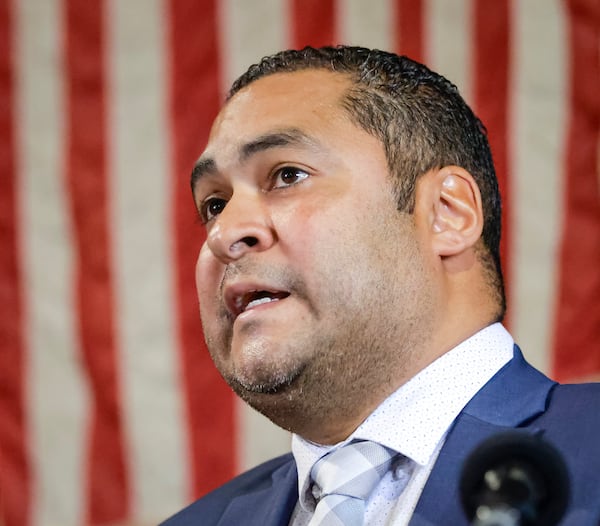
x=207, y=279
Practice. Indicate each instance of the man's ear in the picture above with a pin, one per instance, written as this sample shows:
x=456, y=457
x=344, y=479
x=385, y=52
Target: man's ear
x=450, y=203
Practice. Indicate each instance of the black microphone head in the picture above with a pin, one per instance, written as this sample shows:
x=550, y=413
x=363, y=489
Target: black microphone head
x=518, y=473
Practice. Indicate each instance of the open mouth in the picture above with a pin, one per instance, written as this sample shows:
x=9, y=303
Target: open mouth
x=254, y=298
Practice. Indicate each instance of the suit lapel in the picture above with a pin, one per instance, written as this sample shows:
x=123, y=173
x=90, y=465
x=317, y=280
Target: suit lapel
x=270, y=506
x=515, y=395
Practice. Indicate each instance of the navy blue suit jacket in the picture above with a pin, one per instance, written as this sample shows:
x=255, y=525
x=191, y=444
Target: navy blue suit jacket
x=518, y=396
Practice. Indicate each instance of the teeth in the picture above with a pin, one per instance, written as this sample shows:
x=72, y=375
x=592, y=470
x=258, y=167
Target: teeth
x=254, y=298
x=259, y=301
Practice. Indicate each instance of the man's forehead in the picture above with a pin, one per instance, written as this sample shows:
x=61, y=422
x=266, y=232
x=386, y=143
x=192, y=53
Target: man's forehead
x=309, y=88
x=280, y=100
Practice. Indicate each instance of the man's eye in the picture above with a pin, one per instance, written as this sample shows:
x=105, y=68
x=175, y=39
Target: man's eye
x=211, y=208
x=288, y=176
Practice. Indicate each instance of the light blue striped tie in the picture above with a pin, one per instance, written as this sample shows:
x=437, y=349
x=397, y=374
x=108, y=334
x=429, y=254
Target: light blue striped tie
x=343, y=481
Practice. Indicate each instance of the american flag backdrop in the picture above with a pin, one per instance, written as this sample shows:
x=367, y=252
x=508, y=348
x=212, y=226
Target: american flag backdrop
x=110, y=409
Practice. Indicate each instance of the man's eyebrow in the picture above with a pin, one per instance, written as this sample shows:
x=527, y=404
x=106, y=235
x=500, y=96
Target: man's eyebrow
x=202, y=167
x=276, y=139
x=287, y=137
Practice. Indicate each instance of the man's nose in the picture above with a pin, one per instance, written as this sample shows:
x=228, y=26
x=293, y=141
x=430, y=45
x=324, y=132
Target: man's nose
x=243, y=226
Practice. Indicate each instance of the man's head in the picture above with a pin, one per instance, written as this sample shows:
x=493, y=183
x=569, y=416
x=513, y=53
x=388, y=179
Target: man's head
x=327, y=280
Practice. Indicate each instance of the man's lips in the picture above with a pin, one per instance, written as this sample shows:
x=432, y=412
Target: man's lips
x=242, y=297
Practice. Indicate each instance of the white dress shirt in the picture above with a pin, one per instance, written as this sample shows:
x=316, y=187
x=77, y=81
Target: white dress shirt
x=413, y=421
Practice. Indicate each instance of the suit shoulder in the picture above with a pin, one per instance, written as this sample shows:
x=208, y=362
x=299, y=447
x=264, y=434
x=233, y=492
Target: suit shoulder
x=212, y=505
x=575, y=398
x=570, y=405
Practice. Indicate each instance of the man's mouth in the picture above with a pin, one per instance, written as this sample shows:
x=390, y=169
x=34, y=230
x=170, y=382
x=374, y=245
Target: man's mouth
x=240, y=299
x=258, y=297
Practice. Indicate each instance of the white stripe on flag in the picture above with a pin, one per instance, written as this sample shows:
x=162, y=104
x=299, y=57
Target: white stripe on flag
x=366, y=24
x=142, y=237
x=57, y=397
x=540, y=83
x=449, y=37
x=248, y=31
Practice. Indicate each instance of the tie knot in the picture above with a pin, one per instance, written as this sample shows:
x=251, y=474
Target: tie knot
x=352, y=470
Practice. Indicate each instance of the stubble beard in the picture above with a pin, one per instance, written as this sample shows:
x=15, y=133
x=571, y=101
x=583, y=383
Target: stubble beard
x=347, y=373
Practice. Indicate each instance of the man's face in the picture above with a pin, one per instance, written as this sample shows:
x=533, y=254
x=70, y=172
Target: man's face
x=313, y=288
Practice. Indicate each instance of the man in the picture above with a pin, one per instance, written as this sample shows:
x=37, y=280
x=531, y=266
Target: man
x=350, y=289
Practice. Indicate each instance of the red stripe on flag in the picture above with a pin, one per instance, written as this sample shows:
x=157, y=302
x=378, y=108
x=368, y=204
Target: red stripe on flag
x=491, y=50
x=577, y=326
x=194, y=102
x=410, y=37
x=15, y=483
x=87, y=180
x=313, y=23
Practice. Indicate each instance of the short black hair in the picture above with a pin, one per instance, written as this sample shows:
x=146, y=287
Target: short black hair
x=421, y=120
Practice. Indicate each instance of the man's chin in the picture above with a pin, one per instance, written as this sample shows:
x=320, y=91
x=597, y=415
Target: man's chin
x=270, y=388
x=269, y=385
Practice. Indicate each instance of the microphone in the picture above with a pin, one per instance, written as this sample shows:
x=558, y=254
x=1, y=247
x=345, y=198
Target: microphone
x=514, y=479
